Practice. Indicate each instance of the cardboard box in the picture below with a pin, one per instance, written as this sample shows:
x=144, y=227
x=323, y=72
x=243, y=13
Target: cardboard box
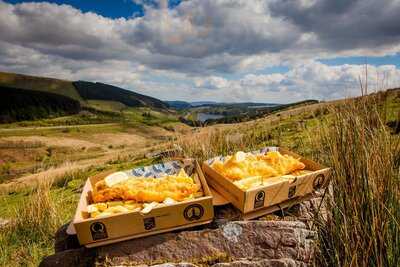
x=94, y=232
x=278, y=194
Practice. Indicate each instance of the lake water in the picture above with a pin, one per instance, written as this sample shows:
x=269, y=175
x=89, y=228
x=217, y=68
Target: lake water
x=207, y=116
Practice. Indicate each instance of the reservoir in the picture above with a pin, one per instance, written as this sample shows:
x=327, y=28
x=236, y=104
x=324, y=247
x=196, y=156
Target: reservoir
x=207, y=116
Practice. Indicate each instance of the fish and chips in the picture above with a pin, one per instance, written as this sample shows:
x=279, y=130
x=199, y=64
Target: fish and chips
x=119, y=192
x=247, y=170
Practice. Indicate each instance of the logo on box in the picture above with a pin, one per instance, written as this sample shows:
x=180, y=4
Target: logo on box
x=318, y=181
x=98, y=230
x=193, y=212
x=292, y=191
x=259, y=199
x=149, y=223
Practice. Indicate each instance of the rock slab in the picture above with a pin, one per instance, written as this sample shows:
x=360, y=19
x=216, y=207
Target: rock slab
x=282, y=239
x=241, y=243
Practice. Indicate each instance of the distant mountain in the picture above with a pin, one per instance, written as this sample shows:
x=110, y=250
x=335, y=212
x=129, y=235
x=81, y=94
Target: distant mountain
x=201, y=103
x=237, y=104
x=40, y=97
x=179, y=104
x=186, y=105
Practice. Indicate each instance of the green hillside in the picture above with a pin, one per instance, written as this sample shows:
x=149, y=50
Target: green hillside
x=29, y=98
x=80, y=90
x=32, y=105
x=50, y=85
x=101, y=91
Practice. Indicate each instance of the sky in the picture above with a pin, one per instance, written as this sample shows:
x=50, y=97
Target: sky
x=218, y=50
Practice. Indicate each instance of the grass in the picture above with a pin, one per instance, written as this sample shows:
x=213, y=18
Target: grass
x=112, y=106
x=147, y=116
x=294, y=132
x=364, y=229
x=36, y=214
x=83, y=118
x=351, y=137
x=30, y=235
x=101, y=112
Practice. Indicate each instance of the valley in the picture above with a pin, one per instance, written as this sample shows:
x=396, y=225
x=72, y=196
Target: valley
x=59, y=152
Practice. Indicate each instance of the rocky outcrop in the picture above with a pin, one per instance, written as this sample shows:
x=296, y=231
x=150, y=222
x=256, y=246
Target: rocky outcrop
x=281, y=239
x=232, y=241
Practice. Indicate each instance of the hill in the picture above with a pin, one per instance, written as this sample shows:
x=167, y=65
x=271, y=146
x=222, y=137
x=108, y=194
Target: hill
x=41, y=97
x=51, y=85
x=101, y=91
x=179, y=104
x=20, y=104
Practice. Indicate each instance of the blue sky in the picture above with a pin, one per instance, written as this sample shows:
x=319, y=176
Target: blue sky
x=376, y=61
x=196, y=50
x=107, y=8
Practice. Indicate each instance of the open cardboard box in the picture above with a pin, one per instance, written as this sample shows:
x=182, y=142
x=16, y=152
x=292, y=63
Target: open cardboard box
x=277, y=194
x=94, y=232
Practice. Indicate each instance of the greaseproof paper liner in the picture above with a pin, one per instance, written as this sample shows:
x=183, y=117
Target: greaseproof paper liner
x=162, y=169
x=255, y=152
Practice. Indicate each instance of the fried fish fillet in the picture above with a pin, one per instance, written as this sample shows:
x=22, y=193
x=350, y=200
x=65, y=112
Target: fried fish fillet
x=245, y=165
x=145, y=189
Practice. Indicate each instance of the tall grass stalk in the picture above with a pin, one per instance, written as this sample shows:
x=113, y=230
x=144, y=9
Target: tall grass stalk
x=208, y=144
x=364, y=229
x=30, y=235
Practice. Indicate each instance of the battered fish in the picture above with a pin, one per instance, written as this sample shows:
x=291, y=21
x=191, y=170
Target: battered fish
x=245, y=165
x=145, y=189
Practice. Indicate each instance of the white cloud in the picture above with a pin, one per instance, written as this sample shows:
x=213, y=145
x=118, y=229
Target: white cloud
x=312, y=80
x=206, y=49
x=212, y=82
x=262, y=80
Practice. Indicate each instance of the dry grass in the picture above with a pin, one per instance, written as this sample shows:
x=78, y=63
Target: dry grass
x=220, y=141
x=22, y=144
x=52, y=175
x=63, y=141
x=30, y=236
x=364, y=229
x=55, y=174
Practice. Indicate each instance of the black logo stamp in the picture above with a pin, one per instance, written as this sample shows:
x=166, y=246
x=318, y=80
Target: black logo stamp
x=149, y=223
x=319, y=181
x=292, y=191
x=193, y=212
x=98, y=230
x=259, y=199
